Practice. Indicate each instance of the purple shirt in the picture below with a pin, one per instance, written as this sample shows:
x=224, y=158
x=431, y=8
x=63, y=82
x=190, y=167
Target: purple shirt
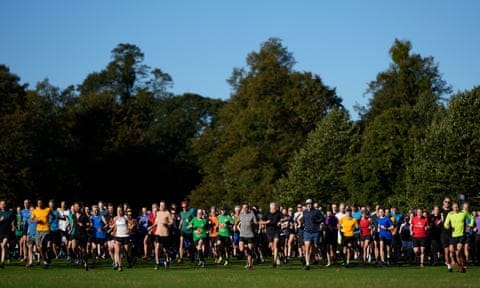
x=477, y=223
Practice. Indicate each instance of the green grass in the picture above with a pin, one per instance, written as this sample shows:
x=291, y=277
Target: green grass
x=189, y=275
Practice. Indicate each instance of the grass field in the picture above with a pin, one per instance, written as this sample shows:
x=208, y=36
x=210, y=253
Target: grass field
x=188, y=275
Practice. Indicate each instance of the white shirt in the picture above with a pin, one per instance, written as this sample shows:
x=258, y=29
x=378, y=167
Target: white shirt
x=122, y=229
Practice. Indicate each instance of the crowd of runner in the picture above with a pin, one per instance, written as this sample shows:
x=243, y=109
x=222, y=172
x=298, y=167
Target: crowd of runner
x=38, y=233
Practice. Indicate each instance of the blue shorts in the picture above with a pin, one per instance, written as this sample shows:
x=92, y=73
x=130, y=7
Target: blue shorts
x=310, y=237
x=236, y=238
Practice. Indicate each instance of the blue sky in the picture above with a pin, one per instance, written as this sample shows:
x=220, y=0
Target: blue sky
x=200, y=42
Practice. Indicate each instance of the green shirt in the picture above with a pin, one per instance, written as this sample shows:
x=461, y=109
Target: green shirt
x=224, y=222
x=199, y=227
x=186, y=218
x=457, y=222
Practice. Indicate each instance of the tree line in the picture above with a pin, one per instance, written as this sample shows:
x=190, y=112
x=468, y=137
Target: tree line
x=282, y=135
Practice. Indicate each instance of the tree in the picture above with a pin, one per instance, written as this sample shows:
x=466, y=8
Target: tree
x=406, y=98
x=408, y=77
x=271, y=111
x=12, y=93
x=318, y=169
x=14, y=140
x=447, y=161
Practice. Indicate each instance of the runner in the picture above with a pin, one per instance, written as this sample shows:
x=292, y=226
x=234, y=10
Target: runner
x=213, y=234
x=143, y=222
x=31, y=236
x=186, y=215
x=79, y=236
x=469, y=234
x=121, y=235
x=435, y=231
x=109, y=218
x=41, y=215
x=272, y=221
x=99, y=234
x=418, y=229
x=312, y=218
x=365, y=235
x=55, y=239
x=331, y=237
x=25, y=213
x=445, y=232
x=6, y=227
x=385, y=227
x=199, y=226
x=246, y=227
x=455, y=222
x=162, y=224
x=64, y=212
x=348, y=224
x=225, y=224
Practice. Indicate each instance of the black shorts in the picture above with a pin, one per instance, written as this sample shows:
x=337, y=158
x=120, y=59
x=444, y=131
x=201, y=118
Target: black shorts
x=162, y=240
x=376, y=236
x=331, y=238
x=122, y=240
x=454, y=241
x=225, y=240
x=98, y=241
x=348, y=241
x=366, y=238
x=419, y=242
x=247, y=240
x=81, y=240
x=56, y=237
x=3, y=237
x=273, y=234
x=445, y=238
x=188, y=236
x=300, y=237
x=386, y=241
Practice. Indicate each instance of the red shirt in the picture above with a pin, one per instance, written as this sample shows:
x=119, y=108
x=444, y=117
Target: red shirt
x=151, y=221
x=364, y=227
x=419, y=224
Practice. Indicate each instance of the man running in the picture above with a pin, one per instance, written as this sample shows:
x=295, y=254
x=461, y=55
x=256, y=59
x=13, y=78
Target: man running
x=418, y=229
x=272, y=222
x=41, y=215
x=246, y=225
x=6, y=227
x=455, y=222
x=225, y=223
x=312, y=218
x=347, y=225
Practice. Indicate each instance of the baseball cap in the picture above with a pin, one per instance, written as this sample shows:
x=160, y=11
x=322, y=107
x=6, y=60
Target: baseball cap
x=309, y=201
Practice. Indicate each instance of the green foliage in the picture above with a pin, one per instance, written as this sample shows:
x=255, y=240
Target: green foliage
x=266, y=120
x=448, y=159
x=409, y=77
x=282, y=136
x=317, y=170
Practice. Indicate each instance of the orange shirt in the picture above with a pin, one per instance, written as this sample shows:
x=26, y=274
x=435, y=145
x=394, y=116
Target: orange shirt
x=348, y=225
x=213, y=226
x=42, y=218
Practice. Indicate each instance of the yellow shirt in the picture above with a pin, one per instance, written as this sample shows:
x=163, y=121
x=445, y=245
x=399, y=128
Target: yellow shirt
x=42, y=218
x=348, y=225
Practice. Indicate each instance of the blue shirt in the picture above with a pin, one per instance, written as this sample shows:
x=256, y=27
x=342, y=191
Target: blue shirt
x=143, y=221
x=53, y=219
x=384, y=223
x=25, y=216
x=312, y=219
x=98, y=231
x=32, y=229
